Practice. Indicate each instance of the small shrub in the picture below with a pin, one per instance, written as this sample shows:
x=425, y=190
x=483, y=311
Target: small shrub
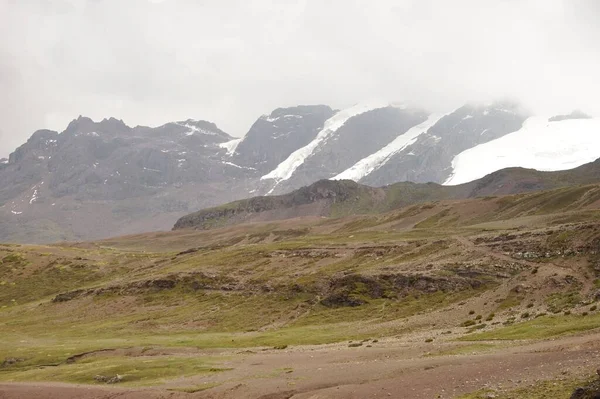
x=471, y=312
x=479, y=317
x=490, y=317
x=584, y=313
x=525, y=315
x=468, y=323
x=280, y=347
x=529, y=305
x=429, y=340
x=355, y=345
x=477, y=327
x=592, y=308
x=567, y=312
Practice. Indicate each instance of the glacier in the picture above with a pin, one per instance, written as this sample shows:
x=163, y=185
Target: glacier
x=367, y=165
x=231, y=146
x=286, y=169
x=539, y=144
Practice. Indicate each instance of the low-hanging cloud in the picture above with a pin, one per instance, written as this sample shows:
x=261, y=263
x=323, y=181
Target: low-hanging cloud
x=229, y=61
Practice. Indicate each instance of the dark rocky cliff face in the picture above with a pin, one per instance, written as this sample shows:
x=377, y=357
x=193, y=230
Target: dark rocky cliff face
x=272, y=138
x=113, y=177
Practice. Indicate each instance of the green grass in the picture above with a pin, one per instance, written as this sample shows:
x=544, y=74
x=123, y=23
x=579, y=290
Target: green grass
x=468, y=349
x=134, y=370
x=539, y=328
x=256, y=292
x=50, y=333
x=513, y=299
x=561, y=301
x=434, y=220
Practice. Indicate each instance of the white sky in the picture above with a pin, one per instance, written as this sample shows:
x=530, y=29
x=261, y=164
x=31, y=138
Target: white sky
x=229, y=61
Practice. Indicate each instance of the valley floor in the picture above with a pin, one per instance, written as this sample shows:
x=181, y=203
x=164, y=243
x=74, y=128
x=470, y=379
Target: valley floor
x=388, y=368
x=490, y=298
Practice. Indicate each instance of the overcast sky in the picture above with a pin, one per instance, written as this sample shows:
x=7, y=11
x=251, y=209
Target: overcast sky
x=229, y=61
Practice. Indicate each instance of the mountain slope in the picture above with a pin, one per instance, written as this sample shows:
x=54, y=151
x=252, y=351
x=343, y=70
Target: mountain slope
x=97, y=179
x=272, y=138
x=429, y=157
x=341, y=143
x=265, y=309
x=100, y=178
x=542, y=143
x=345, y=197
x=367, y=165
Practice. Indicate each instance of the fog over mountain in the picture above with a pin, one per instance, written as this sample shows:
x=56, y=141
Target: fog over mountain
x=151, y=62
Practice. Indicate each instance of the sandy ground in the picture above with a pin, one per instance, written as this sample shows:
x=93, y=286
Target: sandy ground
x=387, y=369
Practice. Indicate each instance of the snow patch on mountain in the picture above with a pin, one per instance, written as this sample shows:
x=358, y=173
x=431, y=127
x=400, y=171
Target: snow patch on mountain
x=367, y=165
x=194, y=129
x=271, y=119
x=34, y=196
x=539, y=144
x=230, y=146
x=238, y=166
x=286, y=169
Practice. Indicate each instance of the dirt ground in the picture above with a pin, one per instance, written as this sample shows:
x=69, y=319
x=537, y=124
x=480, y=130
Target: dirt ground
x=387, y=369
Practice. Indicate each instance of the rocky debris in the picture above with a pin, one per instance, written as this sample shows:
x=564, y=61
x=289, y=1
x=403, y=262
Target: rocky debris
x=188, y=251
x=569, y=240
x=575, y=114
x=10, y=361
x=591, y=391
x=314, y=254
x=68, y=296
x=355, y=290
x=75, y=358
x=108, y=380
x=191, y=282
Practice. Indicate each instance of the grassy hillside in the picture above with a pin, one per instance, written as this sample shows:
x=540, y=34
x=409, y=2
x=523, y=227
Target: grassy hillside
x=344, y=198
x=493, y=268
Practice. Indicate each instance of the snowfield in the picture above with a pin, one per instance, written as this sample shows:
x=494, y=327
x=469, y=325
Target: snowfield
x=539, y=144
x=286, y=169
x=367, y=165
x=231, y=146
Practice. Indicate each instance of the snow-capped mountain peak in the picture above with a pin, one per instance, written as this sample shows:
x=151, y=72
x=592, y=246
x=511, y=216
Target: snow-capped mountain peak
x=285, y=169
x=540, y=144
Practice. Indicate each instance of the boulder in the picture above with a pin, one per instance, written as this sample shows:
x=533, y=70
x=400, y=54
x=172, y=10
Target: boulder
x=591, y=391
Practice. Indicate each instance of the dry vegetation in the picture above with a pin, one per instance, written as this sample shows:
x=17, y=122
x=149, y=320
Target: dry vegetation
x=185, y=310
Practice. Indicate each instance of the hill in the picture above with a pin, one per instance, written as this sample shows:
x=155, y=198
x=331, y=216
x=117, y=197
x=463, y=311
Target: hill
x=432, y=293
x=344, y=197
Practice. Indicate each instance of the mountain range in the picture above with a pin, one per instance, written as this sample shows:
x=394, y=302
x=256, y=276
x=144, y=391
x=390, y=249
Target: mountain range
x=100, y=179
